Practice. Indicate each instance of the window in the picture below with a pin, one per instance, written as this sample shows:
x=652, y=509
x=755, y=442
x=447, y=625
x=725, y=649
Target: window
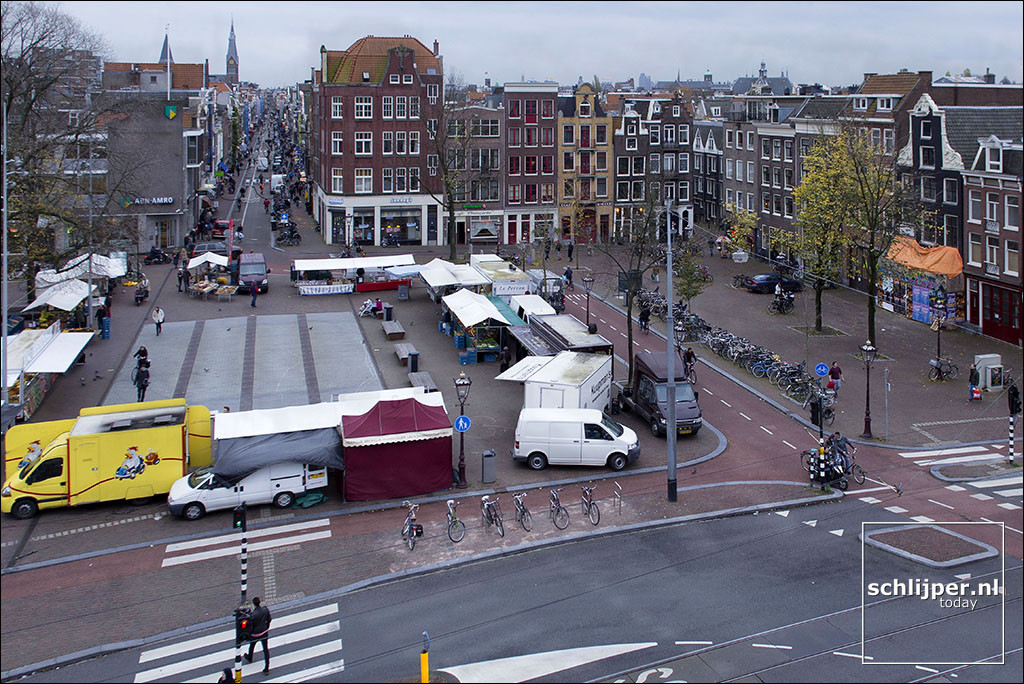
x=432, y=160
x=699, y=185
x=401, y=108
x=364, y=144
x=675, y=110
x=638, y=191
x=407, y=79
x=789, y=150
x=601, y=134
x=432, y=93
x=631, y=144
x=860, y=104
x=631, y=129
x=698, y=161
x=414, y=143
x=739, y=140
x=656, y=191
x=928, y=189
x=669, y=162
x=395, y=79
x=750, y=201
x=547, y=164
x=655, y=135
x=712, y=164
x=622, y=191
x=927, y=157
x=336, y=107
x=670, y=190
x=670, y=134
x=531, y=111
x=638, y=166
x=949, y=191
x=515, y=194
x=951, y=230
x=995, y=159
x=387, y=143
x=974, y=249
x=684, y=134
x=431, y=128
x=585, y=137
x=568, y=189
x=400, y=137
x=364, y=181
x=776, y=177
x=789, y=207
x=483, y=159
x=601, y=161
x=655, y=163
x=991, y=250
x=337, y=175
x=531, y=193
x=400, y=180
x=387, y=107
x=974, y=206
x=888, y=140
x=992, y=207
x=484, y=128
x=684, y=191
x=766, y=149
x=926, y=129
x=750, y=172
x=547, y=109
x=531, y=136
x=1011, y=217
x=364, y=108
x=684, y=162
x=547, y=136
x=884, y=104
x=531, y=165
x=765, y=174
x=568, y=134
x=336, y=142
x=514, y=166
x=547, y=193
x=1011, y=258
x=568, y=161
x=728, y=196
x=776, y=148
x=789, y=179
x=584, y=109
x=414, y=107
x=766, y=203
x=515, y=137
x=876, y=138
x=387, y=180
x=515, y=109
x=728, y=138
x=776, y=205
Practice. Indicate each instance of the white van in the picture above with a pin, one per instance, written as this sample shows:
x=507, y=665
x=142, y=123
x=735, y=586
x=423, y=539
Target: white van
x=262, y=164
x=573, y=437
x=193, y=496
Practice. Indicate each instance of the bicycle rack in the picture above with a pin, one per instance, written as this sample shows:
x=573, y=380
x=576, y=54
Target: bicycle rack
x=618, y=497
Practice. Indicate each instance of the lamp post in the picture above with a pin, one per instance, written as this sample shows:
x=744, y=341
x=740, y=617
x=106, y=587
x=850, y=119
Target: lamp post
x=868, y=352
x=588, y=285
x=462, y=384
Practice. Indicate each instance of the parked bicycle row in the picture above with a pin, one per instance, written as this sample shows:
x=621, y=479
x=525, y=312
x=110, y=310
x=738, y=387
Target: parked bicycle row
x=491, y=514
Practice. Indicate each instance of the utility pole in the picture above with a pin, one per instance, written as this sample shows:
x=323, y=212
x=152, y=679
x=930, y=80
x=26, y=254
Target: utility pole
x=670, y=435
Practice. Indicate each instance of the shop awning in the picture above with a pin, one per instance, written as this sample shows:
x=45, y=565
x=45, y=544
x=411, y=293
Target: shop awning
x=941, y=260
x=65, y=295
x=62, y=351
x=398, y=420
x=403, y=271
x=531, y=341
x=525, y=368
x=506, y=311
x=532, y=305
x=113, y=266
x=354, y=263
x=472, y=309
x=207, y=258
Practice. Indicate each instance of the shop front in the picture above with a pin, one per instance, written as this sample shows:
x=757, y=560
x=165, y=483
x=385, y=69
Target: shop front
x=995, y=309
x=484, y=226
x=401, y=226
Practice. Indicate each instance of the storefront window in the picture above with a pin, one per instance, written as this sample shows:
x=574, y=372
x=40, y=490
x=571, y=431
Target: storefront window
x=337, y=227
x=484, y=228
x=402, y=224
x=362, y=230
x=543, y=225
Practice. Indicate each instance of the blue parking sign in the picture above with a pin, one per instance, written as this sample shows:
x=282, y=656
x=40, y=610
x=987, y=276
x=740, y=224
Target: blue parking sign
x=462, y=423
x=821, y=369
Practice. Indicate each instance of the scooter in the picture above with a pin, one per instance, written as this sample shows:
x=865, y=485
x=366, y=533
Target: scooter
x=156, y=256
x=141, y=294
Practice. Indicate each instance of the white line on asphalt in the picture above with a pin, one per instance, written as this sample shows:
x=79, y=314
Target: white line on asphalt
x=896, y=509
x=852, y=655
x=956, y=488
x=788, y=444
x=956, y=459
x=1011, y=492
x=981, y=497
x=869, y=499
x=988, y=484
x=312, y=673
x=612, y=327
x=926, y=669
x=601, y=319
x=694, y=643
x=1008, y=506
x=939, y=503
x=942, y=452
x=708, y=391
x=254, y=534
x=725, y=402
x=779, y=646
x=283, y=660
x=623, y=334
x=233, y=550
x=874, y=489
x=922, y=518
x=766, y=429
x=744, y=415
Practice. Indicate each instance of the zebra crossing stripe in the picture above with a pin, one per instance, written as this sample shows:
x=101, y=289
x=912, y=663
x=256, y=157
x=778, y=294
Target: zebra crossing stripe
x=942, y=452
x=232, y=550
x=237, y=536
x=1011, y=492
x=312, y=673
x=1000, y=482
x=956, y=459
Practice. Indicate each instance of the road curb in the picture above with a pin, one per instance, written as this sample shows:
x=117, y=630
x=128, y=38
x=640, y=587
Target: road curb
x=61, y=661
x=988, y=551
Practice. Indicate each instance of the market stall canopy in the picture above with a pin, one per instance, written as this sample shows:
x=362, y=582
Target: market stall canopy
x=525, y=368
x=43, y=351
x=207, y=258
x=403, y=271
x=64, y=295
x=472, y=309
x=400, y=420
x=941, y=260
x=113, y=266
x=532, y=305
x=440, y=273
x=353, y=263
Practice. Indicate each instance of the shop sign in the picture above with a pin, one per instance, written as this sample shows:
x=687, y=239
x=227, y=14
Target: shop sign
x=400, y=200
x=335, y=201
x=153, y=200
x=472, y=206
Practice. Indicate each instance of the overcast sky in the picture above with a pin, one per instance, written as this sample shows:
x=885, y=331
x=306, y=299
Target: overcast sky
x=832, y=43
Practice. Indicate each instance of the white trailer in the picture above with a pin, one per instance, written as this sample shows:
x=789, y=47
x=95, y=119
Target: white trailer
x=567, y=380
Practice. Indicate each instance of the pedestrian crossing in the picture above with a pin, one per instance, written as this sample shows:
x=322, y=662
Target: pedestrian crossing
x=1008, y=487
x=257, y=540
x=304, y=645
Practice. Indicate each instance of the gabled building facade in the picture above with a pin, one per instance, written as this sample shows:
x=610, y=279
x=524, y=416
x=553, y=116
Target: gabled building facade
x=531, y=208
x=585, y=165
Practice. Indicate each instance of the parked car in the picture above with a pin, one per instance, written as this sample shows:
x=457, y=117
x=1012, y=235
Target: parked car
x=217, y=247
x=765, y=282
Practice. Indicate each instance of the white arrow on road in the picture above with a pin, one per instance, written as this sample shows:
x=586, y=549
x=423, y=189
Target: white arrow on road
x=526, y=667
x=812, y=523
x=838, y=533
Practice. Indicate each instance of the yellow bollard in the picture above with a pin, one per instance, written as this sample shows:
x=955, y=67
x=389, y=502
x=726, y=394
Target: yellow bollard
x=424, y=667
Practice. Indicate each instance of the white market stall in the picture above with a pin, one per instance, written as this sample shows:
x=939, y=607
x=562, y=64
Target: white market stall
x=36, y=357
x=506, y=279
x=344, y=276
x=443, y=277
x=477, y=324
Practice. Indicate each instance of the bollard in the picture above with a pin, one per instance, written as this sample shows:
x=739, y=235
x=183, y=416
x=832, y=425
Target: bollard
x=388, y=309
x=425, y=659
x=414, y=362
x=488, y=463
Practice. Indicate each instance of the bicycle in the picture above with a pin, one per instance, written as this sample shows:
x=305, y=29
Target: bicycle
x=738, y=280
x=491, y=514
x=411, y=530
x=456, y=528
x=587, y=504
x=942, y=368
x=523, y=516
x=559, y=516
x=781, y=306
x=690, y=372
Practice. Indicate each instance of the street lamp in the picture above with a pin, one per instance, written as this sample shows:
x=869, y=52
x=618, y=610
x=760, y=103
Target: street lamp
x=462, y=384
x=867, y=351
x=588, y=285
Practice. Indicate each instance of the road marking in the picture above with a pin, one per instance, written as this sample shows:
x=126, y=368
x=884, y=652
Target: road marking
x=784, y=514
x=811, y=523
x=988, y=484
x=1011, y=492
x=535, y=665
x=744, y=415
x=708, y=391
x=838, y=533
x=766, y=429
x=252, y=534
x=926, y=669
x=852, y=655
x=788, y=444
x=939, y=503
x=778, y=646
x=601, y=319
x=1008, y=506
x=234, y=550
x=921, y=518
x=981, y=497
x=870, y=499
x=311, y=673
x=942, y=452
x=612, y=327
x=725, y=402
x=896, y=509
x=964, y=576
x=694, y=643
x=956, y=488
x=886, y=488
x=956, y=459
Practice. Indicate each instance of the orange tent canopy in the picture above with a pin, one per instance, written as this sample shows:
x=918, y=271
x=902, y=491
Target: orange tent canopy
x=941, y=260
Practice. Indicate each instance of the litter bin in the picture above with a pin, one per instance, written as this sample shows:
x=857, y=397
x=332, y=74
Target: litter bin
x=388, y=312
x=414, y=362
x=105, y=328
x=489, y=463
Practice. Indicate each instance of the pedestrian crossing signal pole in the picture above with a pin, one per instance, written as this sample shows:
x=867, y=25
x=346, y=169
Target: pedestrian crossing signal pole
x=1013, y=399
x=425, y=659
x=238, y=523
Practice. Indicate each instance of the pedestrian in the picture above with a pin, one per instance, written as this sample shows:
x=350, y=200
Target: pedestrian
x=835, y=376
x=188, y=277
x=974, y=379
x=181, y=277
x=547, y=249
x=506, y=358
x=226, y=676
x=711, y=247
x=158, y=318
x=108, y=302
x=568, y=277
x=266, y=203
x=142, y=381
x=260, y=632
x=141, y=355
x=570, y=253
x=558, y=249
x=177, y=256
x=255, y=289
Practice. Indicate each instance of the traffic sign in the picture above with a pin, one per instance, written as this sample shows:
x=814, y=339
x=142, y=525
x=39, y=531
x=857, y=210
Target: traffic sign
x=821, y=369
x=462, y=423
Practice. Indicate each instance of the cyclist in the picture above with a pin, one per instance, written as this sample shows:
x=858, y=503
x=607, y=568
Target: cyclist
x=645, y=318
x=838, y=447
x=689, y=359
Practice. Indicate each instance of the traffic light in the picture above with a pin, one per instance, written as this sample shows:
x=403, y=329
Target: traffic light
x=816, y=413
x=238, y=518
x=1013, y=399
x=243, y=624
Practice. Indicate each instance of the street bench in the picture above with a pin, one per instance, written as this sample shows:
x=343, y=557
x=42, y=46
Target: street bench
x=402, y=350
x=423, y=379
x=393, y=330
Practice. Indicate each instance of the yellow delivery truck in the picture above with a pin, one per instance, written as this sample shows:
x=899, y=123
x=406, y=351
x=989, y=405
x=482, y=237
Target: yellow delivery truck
x=108, y=453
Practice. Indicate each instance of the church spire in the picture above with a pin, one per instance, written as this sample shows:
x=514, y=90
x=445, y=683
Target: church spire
x=165, y=52
x=231, y=61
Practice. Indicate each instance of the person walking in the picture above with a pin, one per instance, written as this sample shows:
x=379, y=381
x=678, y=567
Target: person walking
x=570, y=248
x=974, y=379
x=711, y=247
x=266, y=203
x=181, y=277
x=177, y=257
x=260, y=632
x=255, y=289
x=558, y=249
x=158, y=318
x=141, y=380
x=141, y=356
x=506, y=358
x=835, y=376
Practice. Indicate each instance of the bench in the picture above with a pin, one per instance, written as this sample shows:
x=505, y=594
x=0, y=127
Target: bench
x=393, y=330
x=423, y=379
x=402, y=350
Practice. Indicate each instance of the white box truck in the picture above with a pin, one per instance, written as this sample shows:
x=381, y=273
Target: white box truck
x=567, y=380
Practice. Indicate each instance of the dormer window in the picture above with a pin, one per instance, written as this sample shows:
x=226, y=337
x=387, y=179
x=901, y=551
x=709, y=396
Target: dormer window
x=995, y=159
x=366, y=77
x=860, y=104
x=885, y=104
x=656, y=108
x=926, y=129
x=716, y=111
x=675, y=110
x=584, y=108
x=631, y=129
x=407, y=79
x=395, y=79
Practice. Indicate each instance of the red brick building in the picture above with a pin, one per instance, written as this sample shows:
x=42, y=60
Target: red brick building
x=530, y=171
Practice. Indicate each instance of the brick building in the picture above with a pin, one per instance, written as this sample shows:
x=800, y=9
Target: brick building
x=585, y=164
x=530, y=166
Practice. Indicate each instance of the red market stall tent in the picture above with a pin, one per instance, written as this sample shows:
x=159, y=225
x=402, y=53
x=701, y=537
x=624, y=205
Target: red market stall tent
x=398, y=448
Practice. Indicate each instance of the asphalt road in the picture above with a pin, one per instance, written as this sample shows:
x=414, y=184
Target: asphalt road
x=769, y=596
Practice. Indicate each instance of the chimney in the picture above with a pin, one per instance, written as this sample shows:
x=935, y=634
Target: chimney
x=989, y=76
x=437, y=48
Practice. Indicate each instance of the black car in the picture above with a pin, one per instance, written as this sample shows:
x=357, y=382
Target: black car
x=765, y=282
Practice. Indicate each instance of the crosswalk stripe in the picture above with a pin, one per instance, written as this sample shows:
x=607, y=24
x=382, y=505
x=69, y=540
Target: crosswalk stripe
x=1000, y=482
x=1011, y=492
x=942, y=452
x=255, y=668
x=312, y=673
x=956, y=459
x=229, y=635
x=232, y=550
x=254, y=534
x=228, y=654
